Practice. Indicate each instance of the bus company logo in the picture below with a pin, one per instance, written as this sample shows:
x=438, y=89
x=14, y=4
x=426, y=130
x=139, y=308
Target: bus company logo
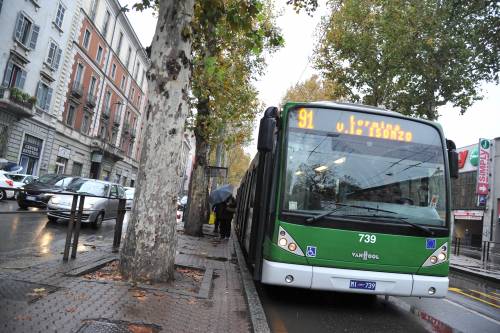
x=365, y=255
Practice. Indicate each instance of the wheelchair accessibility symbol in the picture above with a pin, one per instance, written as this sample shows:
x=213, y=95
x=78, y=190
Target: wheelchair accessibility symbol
x=311, y=251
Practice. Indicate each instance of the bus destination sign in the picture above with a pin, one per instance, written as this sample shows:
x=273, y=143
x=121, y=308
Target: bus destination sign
x=352, y=123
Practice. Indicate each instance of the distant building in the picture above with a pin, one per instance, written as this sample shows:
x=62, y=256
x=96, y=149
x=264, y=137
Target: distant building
x=83, y=62
x=33, y=61
x=476, y=197
x=98, y=134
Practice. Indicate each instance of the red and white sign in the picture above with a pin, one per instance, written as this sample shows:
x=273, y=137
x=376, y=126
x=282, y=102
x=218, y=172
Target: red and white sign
x=468, y=214
x=483, y=168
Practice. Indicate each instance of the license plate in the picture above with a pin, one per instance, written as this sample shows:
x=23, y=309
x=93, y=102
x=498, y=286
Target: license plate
x=30, y=197
x=367, y=285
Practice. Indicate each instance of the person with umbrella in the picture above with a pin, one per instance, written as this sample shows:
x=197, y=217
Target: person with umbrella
x=224, y=207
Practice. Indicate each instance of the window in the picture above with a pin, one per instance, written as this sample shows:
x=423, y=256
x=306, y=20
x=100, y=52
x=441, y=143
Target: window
x=26, y=32
x=1, y=3
x=77, y=169
x=105, y=24
x=130, y=148
x=43, y=96
x=93, y=8
x=107, y=103
x=113, y=71
x=136, y=71
x=129, y=53
x=98, y=57
x=142, y=77
x=86, y=39
x=61, y=165
x=60, y=15
x=120, y=40
x=113, y=137
x=78, y=75
x=93, y=84
x=122, y=85
x=132, y=94
x=85, y=123
x=70, y=117
x=138, y=100
x=14, y=76
x=54, y=56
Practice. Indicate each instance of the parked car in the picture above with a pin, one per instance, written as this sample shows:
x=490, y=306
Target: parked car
x=129, y=194
x=96, y=209
x=21, y=180
x=6, y=182
x=33, y=194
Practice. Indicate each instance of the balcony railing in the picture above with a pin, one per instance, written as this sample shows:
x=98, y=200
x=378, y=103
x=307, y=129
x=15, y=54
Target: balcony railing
x=133, y=133
x=106, y=112
x=116, y=121
x=16, y=101
x=91, y=100
x=77, y=89
x=100, y=144
x=126, y=128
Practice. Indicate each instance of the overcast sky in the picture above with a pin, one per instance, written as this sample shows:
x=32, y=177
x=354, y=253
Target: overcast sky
x=292, y=63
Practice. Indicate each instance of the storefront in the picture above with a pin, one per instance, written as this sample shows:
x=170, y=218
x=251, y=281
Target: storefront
x=469, y=226
x=30, y=154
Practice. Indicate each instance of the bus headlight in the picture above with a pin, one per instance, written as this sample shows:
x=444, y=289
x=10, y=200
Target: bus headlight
x=287, y=243
x=439, y=256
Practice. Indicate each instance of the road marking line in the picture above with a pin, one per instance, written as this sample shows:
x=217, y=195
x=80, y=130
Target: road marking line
x=473, y=311
x=486, y=295
x=459, y=291
x=494, y=293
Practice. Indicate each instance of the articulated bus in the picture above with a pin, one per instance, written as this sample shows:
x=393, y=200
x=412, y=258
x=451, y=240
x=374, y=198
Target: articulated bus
x=348, y=198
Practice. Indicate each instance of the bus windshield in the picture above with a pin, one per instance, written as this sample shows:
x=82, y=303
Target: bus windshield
x=340, y=159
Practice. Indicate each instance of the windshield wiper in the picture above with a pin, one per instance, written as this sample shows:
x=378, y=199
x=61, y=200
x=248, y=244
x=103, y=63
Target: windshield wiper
x=341, y=205
x=400, y=219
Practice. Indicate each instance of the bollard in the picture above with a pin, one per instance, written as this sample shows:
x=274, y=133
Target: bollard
x=77, y=227
x=458, y=248
x=119, y=224
x=70, y=228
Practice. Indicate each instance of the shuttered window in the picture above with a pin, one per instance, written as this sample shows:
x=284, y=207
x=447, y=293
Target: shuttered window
x=43, y=96
x=14, y=76
x=60, y=15
x=25, y=32
x=54, y=56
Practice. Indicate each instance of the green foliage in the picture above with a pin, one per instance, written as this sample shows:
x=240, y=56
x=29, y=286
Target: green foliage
x=411, y=56
x=22, y=97
x=308, y=5
x=313, y=89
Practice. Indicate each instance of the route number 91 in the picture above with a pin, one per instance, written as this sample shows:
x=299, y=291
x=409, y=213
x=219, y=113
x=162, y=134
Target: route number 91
x=367, y=238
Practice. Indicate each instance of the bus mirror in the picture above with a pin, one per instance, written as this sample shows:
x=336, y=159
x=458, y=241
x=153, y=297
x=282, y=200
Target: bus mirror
x=453, y=160
x=265, y=141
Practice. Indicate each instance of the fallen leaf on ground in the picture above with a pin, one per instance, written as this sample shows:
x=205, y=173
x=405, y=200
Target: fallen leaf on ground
x=71, y=309
x=39, y=290
x=21, y=317
x=139, y=329
x=192, y=301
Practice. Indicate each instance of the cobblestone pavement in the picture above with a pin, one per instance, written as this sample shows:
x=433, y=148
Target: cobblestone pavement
x=44, y=297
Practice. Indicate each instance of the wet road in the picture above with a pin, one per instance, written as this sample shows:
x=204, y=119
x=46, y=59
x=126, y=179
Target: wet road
x=23, y=234
x=471, y=306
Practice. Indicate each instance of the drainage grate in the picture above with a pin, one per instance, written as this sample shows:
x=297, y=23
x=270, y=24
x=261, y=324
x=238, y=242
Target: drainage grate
x=109, y=326
x=23, y=291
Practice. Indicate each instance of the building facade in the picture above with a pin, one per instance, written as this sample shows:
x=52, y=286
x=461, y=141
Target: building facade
x=73, y=90
x=98, y=133
x=32, y=61
x=476, y=194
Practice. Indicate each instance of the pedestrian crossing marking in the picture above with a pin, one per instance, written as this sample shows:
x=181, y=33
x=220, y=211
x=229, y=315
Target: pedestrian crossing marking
x=459, y=291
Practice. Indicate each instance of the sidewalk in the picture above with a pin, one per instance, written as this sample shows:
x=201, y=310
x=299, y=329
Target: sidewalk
x=52, y=296
x=476, y=267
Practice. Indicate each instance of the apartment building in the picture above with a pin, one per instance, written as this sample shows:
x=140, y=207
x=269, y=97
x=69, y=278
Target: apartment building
x=33, y=61
x=98, y=132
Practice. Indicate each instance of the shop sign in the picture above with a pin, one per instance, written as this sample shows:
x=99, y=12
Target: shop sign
x=467, y=158
x=96, y=157
x=468, y=214
x=64, y=153
x=31, y=149
x=483, y=168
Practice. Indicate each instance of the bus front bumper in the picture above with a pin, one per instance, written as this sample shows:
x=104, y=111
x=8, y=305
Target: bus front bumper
x=353, y=281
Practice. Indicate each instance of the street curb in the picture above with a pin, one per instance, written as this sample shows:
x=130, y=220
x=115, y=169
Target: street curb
x=473, y=273
x=257, y=314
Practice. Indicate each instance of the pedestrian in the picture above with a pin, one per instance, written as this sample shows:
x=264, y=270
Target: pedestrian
x=216, y=208
x=224, y=214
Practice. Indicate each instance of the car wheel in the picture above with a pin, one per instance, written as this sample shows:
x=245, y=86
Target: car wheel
x=3, y=195
x=96, y=224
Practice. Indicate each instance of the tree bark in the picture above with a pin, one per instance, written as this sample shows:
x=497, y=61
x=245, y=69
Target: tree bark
x=148, y=251
x=198, y=185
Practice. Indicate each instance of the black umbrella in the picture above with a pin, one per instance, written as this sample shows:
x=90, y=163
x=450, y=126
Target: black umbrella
x=220, y=194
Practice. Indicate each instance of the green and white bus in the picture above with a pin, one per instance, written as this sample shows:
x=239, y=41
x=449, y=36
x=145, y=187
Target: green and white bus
x=348, y=198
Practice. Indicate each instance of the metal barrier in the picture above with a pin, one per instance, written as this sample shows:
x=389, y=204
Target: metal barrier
x=487, y=250
x=75, y=217
x=456, y=248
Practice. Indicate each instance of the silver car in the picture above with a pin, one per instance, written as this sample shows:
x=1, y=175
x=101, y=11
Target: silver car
x=96, y=209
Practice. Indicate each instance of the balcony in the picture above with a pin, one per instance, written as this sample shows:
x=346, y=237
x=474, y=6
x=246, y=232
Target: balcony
x=126, y=128
x=116, y=121
x=105, y=113
x=17, y=102
x=109, y=150
x=77, y=90
x=91, y=100
x=133, y=133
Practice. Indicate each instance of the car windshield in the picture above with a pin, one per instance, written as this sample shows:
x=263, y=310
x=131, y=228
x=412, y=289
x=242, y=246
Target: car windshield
x=90, y=187
x=348, y=163
x=129, y=193
x=16, y=178
x=50, y=179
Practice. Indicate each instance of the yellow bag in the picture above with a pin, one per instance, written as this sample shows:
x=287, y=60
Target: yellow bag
x=211, y=220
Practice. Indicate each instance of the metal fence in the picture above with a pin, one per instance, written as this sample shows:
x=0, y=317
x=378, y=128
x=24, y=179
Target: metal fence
x=488, y=251
x=75, y=217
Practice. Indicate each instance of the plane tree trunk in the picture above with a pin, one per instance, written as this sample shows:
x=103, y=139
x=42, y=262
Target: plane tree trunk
x=148, y=251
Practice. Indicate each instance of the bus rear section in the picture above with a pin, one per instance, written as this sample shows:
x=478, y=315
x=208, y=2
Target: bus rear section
x=362, y=203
